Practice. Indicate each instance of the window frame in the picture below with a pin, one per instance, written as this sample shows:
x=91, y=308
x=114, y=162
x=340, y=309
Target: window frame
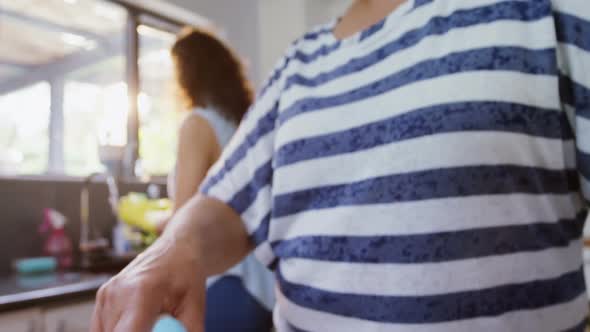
x=136, y=16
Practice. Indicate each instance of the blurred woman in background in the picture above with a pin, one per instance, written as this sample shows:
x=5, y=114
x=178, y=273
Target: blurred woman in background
x=217, y=94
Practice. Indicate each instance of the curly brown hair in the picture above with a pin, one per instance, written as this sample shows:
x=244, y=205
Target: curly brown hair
x=210, y=74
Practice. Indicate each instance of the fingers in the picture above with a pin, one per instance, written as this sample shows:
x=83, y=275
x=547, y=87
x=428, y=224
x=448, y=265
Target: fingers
x=96, y=323
x=136, y=320
x=122, y=306
x=105, y=315
x=106, y=312
x=122, y=309
x=191, y=312
x=146, y=288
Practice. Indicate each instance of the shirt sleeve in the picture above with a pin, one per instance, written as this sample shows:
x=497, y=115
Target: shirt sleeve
x=242, y=177
x=572, y=23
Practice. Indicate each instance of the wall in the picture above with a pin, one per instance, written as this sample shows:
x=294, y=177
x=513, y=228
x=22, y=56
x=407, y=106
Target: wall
x=261, y=30
x=21, y=209
x=280, y=23
x=283, y=21
x=239, y=20
x=322, y=11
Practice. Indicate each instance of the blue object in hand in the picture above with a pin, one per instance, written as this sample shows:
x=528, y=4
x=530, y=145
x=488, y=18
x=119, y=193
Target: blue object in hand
x=168, y=324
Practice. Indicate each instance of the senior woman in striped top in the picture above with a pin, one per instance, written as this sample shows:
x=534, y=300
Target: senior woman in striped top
x=415, y=165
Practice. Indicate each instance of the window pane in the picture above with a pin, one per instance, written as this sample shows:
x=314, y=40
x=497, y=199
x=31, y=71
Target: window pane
x=157, y=108
x=78, y=47
x=24, y=130
x=95, y=113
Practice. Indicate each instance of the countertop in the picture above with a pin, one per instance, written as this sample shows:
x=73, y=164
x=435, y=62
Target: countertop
x=17, y=292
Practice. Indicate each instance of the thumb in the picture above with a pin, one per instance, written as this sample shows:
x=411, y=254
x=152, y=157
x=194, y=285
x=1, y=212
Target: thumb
x=191, y=313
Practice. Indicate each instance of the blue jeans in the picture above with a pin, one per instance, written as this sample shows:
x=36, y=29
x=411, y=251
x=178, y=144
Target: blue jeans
x=230, y=307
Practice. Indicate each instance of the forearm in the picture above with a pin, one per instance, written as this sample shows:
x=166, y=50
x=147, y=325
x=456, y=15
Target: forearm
x=212, y=231
x=206, y=238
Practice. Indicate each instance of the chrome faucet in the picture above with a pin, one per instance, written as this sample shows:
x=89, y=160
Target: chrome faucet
x=100, y=243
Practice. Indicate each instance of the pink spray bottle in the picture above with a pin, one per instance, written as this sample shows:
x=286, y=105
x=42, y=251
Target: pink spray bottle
x=57, y=244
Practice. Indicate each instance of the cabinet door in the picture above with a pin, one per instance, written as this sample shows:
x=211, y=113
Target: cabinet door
x=70, y=318
x=21, y=321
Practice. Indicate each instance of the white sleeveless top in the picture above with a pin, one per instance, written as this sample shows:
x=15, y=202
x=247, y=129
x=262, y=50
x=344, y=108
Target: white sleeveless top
x=223, y=129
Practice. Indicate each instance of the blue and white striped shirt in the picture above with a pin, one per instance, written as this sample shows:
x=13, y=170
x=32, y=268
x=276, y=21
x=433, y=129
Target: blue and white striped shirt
x=425, y=174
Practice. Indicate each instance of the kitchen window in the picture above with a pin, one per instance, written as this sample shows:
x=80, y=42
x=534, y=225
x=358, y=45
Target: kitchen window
x=23, y=128
x=158, y=118
x=85, y=86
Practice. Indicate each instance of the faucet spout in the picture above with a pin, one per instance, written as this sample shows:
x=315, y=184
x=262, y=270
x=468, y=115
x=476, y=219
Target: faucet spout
x=85, y=227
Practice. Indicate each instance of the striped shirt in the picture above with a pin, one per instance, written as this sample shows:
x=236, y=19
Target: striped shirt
x=425, y=174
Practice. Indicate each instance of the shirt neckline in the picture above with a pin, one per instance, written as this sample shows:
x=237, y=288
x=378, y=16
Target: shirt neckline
x=401, y=10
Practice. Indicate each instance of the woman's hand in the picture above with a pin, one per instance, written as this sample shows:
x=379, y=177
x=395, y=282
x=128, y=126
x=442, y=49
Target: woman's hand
x=163, y=279
x=169, y=277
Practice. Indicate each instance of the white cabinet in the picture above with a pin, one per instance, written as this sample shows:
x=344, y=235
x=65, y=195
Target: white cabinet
x=69, y=318
x=22, y=321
